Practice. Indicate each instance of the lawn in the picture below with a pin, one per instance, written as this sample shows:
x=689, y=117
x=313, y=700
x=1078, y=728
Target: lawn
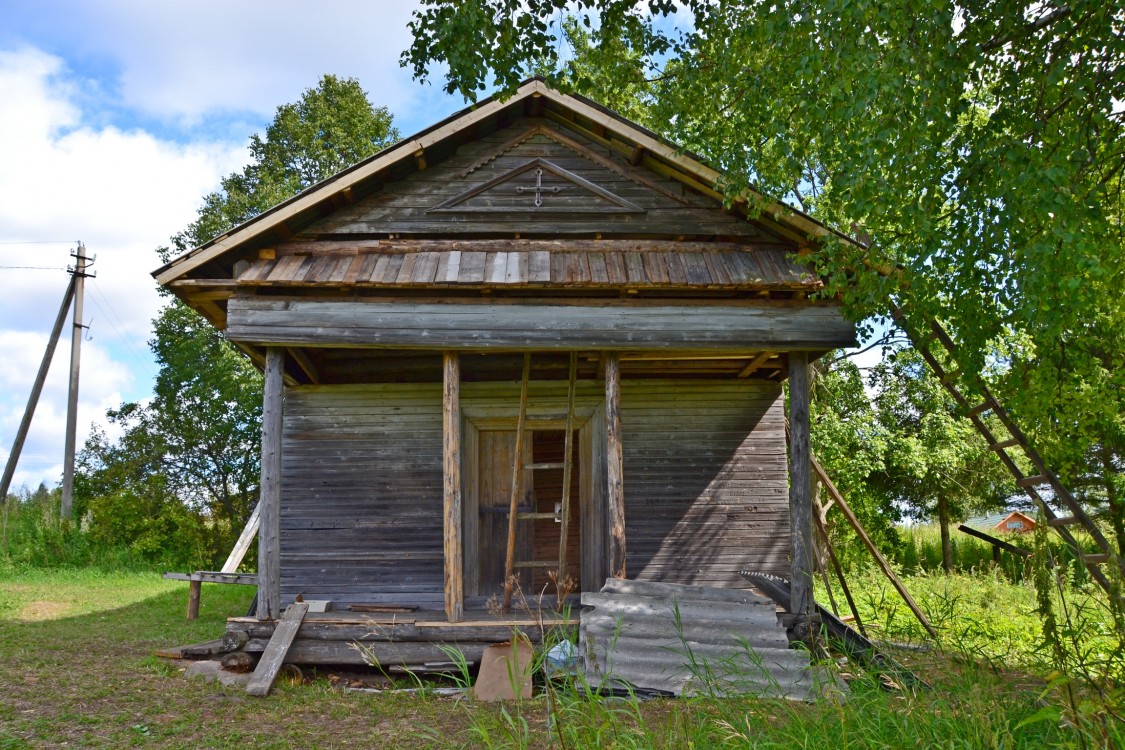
x=77, y=670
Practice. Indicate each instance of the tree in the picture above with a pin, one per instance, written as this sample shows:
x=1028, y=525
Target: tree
x=979, y=147
x=852, y=444
x=199, y=440
x=935, y=466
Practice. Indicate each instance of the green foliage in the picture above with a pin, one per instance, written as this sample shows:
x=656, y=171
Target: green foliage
x=936, y=467
x=332, y=127
x=34, y=536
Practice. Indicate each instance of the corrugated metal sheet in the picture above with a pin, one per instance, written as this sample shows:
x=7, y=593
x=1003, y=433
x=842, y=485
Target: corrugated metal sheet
x=690, y=640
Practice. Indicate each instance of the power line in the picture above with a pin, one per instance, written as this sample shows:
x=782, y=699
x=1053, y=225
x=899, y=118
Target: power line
x=36, y=268
x=120, y=327
x=39, y=242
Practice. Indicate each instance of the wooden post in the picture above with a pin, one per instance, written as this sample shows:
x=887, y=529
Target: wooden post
x=802, y=605
x=269, y=504
x=451, y=503
x=195, y=589
x=71, y=439
x=615, y=496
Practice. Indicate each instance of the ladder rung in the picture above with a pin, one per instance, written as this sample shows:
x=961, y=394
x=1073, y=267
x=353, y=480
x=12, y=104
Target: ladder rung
x=1004, y=445
x=982, y=408
x=1068, y=520
x=538, y=564
x=545, y=466
x=1095, y=559
x=535, y=516
x=951, y=376
x=1034, y=481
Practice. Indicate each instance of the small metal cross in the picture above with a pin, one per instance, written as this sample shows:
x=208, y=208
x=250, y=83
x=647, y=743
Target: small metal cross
x=539, y=189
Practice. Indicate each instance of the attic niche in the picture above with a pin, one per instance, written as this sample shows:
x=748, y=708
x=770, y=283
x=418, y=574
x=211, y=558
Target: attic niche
x=538, y=185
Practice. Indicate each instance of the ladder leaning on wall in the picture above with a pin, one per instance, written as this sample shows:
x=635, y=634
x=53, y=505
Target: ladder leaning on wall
x=518, y=465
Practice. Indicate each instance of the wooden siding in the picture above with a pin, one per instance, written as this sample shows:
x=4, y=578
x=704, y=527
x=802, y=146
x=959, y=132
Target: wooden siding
x=705, y=480
x=541, y=264
x=475, y=191
x=361, y=505
x=496, y=326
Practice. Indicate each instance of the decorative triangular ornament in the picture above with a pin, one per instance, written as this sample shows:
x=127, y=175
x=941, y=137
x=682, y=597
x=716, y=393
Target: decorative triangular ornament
x=540, y=186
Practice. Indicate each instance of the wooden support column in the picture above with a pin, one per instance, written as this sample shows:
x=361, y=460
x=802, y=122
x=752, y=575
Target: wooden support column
x=800, y=496
x=195, y=590
x=615, y=496
x=269, y=504
x=451, y=504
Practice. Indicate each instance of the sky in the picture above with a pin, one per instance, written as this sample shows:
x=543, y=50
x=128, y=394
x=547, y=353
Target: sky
x=116, y=118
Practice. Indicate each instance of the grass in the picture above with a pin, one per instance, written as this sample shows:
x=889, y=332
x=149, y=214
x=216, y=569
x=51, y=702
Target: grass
x=77, y=671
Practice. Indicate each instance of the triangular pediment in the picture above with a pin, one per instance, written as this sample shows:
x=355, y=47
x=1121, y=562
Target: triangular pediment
x=541, y=186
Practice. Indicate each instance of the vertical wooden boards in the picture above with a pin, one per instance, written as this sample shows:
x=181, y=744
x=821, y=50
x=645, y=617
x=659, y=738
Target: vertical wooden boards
x=274, y=655
x=470, y=507
x=269, y=527
x=592, y=495
x=451, y=502
x=615, y=489
x=800, y=489
x=496, y=452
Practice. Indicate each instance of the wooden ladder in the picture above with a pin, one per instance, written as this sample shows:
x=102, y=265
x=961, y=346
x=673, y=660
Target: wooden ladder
x=1014, y=438
x=510, y=564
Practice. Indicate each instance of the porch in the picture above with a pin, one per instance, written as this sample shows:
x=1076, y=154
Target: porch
x=417, y=640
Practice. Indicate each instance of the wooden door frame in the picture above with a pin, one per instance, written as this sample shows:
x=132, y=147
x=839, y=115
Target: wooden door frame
x=589, y=422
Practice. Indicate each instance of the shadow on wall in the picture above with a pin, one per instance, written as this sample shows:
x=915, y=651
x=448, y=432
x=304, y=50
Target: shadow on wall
x=706, y=481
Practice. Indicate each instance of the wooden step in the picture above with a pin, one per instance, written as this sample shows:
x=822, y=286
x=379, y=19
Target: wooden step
x=1004, y=445
x=951, y=376
x=537, y=467
x=982, y=408
x=1064, y=521
x=538, y=564
x=1034, y=481
x=1095, y=559
x=277, y=648
x=536, y=517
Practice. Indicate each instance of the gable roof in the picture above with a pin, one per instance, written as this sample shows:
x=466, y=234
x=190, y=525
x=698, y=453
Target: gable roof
x=646, y=147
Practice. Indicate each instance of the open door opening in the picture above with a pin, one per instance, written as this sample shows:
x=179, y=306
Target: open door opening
x=541, y=498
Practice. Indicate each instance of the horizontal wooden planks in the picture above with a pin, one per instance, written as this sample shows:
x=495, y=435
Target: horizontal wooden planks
x=705, y=480
x=484, y=188
x=361, y=494
x=558, y=327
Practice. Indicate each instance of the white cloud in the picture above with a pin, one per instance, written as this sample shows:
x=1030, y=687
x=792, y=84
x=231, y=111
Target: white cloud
x=182, y=60
x=123, y=193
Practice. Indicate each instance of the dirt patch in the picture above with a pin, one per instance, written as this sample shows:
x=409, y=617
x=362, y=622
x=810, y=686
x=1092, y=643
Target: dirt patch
x=38, y=611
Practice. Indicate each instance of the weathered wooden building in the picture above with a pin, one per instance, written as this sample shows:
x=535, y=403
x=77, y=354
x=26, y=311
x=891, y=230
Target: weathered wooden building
x=391, y=308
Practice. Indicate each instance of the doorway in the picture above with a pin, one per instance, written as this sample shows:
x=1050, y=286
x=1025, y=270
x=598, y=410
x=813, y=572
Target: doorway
x=539, y=492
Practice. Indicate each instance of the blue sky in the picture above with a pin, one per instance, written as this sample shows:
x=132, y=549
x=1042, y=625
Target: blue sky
x=117, y=116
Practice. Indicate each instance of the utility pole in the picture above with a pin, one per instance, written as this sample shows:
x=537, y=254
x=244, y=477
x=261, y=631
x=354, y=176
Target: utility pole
x=79, y=274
